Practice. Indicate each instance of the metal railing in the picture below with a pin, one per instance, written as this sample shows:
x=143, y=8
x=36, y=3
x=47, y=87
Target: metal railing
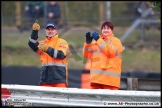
x=143, y=20
x=27, y=95
x=140, y=84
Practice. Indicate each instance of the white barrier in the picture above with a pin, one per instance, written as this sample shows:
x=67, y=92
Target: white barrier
x=52, y=96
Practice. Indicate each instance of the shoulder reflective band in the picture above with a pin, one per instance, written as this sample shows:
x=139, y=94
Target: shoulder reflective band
x=63, y=43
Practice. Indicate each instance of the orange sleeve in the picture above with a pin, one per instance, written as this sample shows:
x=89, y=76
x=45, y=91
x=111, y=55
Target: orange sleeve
x=64, y=47
x=111, y=49
x=87, y=50
x=39, y=52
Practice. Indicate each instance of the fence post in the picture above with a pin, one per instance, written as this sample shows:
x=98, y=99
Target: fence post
x=108, y=10
x=132, y=83
x=67, y=14
x=18, y=13
x=101, y=10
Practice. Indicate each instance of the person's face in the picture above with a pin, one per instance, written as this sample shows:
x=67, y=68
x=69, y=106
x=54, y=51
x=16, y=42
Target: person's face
x=106, y=31
x=53, y=3
x=50, y=32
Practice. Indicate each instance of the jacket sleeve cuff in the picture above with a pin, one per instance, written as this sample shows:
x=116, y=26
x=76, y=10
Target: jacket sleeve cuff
x=34, y=34
x=97, y=38
x=49, y=50
x=87, y=45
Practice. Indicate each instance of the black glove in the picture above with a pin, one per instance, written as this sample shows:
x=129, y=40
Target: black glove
x=34, y=34
x=88, y=38
x=95, y=36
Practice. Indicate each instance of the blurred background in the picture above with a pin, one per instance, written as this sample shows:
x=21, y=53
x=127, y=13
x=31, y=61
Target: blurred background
x=140, y=32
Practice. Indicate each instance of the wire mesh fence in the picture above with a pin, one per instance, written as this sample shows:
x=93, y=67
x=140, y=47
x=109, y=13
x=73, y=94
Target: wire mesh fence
x=74, y=12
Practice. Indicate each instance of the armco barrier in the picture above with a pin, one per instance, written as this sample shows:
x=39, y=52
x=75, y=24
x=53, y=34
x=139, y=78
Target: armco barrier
x=25, y=95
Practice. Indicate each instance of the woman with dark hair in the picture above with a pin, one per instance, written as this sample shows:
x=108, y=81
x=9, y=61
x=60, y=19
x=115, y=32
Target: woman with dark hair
x=105, y=54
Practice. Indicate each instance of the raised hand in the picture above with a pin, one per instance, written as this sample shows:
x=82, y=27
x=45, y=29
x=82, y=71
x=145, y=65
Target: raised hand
x=95, y=36
x=88, y=38
x=36, y=26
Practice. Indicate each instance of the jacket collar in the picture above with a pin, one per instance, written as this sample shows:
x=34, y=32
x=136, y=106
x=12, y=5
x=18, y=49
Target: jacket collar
x=108, y=37
x=51, y=38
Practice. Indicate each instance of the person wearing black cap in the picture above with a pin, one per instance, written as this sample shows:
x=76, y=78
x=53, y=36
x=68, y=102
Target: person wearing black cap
x=53, y=53
x=105, y=54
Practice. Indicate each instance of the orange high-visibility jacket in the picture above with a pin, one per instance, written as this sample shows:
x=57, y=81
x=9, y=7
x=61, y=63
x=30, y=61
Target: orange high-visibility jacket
x=106, y=60
x=54, y=61
x=88, y=65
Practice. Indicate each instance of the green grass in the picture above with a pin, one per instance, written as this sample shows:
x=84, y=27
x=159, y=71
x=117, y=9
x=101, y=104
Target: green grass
x=16, y=52
x=141, y=59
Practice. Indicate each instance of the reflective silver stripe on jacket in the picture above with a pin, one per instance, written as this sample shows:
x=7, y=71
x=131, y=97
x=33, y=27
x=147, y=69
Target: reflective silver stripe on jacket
x=96, y=51
x=109, y=41
x=63, y=43
x=88, y=49
x=55, y=53
x=32, y=40
x=54, y=64
x=65, y=50
x=105, y=72
x=102, y=45
x=117, y=54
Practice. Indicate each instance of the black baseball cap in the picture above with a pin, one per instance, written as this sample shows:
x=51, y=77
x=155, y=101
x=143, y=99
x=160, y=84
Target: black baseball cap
x=51, y=25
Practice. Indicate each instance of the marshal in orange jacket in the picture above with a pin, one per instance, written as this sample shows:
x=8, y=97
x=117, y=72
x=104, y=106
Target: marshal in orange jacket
x=54, y=62
x=105, y=55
